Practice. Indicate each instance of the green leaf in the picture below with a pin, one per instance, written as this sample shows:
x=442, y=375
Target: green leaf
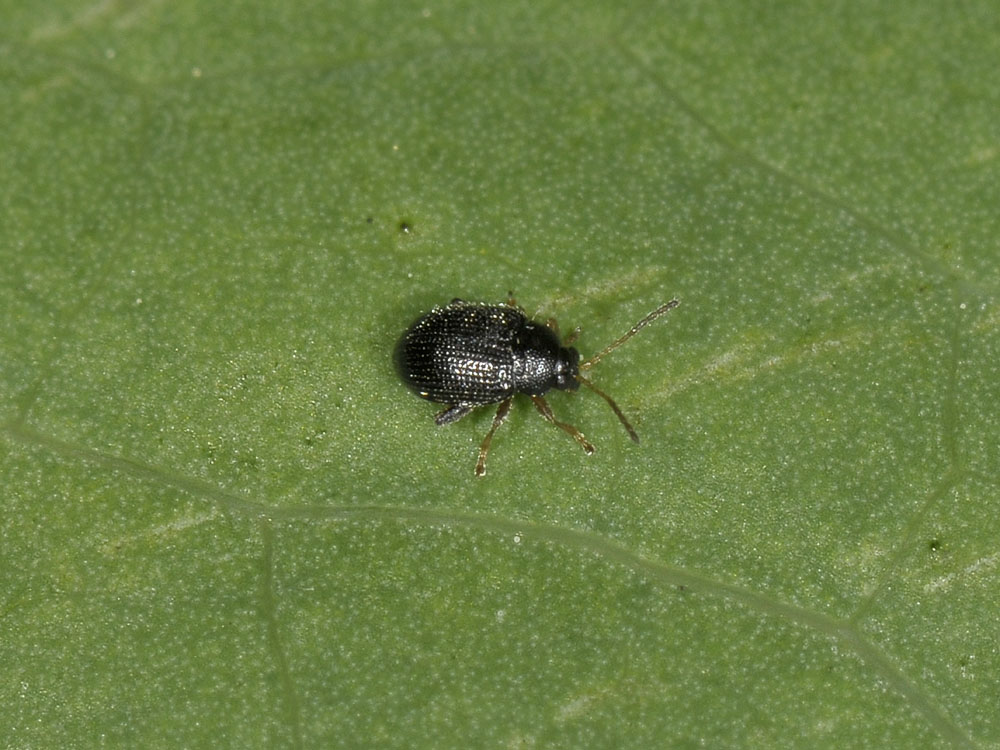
x=227, y=523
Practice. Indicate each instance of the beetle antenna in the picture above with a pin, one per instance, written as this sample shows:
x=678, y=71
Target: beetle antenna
x=662, y=309
x=614, y=407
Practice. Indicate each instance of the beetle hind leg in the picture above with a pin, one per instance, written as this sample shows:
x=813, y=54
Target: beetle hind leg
x=546, y=411
x=498, y=419
x=452, y=414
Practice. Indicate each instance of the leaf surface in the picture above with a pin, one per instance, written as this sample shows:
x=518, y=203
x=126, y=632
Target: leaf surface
x=227, y=523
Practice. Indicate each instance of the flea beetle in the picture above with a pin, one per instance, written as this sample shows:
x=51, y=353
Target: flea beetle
x=468, y=354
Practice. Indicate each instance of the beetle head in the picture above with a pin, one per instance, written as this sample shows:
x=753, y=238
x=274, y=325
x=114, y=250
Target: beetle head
x=566, y=371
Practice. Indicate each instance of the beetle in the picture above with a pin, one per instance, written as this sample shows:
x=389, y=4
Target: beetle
x=470, y=354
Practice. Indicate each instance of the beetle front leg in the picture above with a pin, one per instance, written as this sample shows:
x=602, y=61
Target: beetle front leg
x=498, y=419
x=572, y=336
x=546, y=411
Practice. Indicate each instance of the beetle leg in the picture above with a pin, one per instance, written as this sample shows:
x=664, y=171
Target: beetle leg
x=546, y=412
x=511, y=302
x=502, y=411
x=452, y=413
x=572, y=336
x=614, y=407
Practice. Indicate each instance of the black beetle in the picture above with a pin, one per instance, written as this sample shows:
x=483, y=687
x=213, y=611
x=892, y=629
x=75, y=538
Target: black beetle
x=469, y=354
